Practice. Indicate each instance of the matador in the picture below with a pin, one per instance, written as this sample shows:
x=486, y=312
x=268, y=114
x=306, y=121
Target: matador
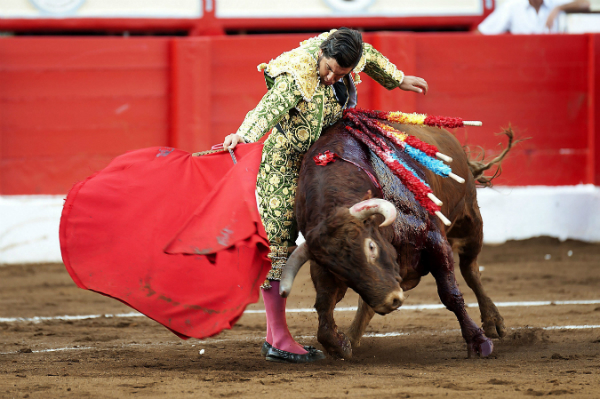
x=308, y=88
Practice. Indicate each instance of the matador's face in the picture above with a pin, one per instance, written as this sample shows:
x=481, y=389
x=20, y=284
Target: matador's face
x=329, y=70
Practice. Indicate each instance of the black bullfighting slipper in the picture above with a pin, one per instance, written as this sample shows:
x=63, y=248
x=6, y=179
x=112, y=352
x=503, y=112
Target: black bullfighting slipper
x=266, y=346
x=277, y=355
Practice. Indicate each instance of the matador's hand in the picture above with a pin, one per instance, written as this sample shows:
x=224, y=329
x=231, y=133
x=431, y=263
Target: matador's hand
x=413, y=83
x=232, y=140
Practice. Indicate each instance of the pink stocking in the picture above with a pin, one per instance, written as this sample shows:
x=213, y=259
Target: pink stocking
x=278, y=334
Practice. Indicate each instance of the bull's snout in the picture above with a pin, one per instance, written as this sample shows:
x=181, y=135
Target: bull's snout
x=393, y=301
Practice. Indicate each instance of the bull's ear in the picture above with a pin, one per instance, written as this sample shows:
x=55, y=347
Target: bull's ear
x=368, y=195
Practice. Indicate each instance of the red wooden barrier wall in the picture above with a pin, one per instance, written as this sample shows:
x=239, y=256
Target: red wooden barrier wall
x=69, y=105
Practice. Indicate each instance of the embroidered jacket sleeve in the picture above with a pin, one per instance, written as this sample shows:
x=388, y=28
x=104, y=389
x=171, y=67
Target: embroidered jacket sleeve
x=275, y=105
x=378, y=67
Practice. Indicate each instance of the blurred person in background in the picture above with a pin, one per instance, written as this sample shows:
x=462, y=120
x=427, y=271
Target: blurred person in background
x=308, y=88
x=529, y=16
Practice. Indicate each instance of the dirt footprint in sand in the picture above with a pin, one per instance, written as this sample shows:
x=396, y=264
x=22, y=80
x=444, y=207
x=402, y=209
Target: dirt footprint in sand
x=527, y=336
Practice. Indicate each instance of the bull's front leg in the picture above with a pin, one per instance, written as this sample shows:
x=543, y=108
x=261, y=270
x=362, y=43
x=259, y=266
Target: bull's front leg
x=468, y=232
x=329, y=292
x=363, y=316
x=493, y=322
x=441, y=264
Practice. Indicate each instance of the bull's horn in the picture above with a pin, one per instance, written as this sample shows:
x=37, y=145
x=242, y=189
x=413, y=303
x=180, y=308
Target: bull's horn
x=369, y=207
x=293, y=264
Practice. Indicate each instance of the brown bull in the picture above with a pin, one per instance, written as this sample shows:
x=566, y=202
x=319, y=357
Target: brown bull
x=349, y=246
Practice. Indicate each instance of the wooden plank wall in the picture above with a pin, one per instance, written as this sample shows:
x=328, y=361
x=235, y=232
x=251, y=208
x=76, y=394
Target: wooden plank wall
x=69, y=105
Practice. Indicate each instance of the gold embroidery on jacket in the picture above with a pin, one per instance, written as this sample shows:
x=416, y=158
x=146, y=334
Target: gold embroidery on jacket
x=380, y=68
x=272, y=108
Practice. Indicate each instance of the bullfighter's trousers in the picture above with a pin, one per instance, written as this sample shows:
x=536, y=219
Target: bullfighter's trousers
x=276, y=191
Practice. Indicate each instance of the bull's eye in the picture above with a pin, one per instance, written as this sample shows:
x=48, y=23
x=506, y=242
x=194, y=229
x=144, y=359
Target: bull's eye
x=371, y=250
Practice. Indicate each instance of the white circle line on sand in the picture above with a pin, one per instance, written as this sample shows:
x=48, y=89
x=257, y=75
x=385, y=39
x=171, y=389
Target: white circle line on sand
x=38, y=319
x=210, y=341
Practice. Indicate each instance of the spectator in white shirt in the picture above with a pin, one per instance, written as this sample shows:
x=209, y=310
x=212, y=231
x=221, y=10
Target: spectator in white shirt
x=529, y=16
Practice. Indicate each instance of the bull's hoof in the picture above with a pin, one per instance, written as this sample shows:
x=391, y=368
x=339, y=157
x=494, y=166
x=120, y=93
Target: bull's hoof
x=481, y=346
x=494, y=327
x=493, y=323
x=339, y=353
x=339, y=347
x=354, y=337
x=355, y=343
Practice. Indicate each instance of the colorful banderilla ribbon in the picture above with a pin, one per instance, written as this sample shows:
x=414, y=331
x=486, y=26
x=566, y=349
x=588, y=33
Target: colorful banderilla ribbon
x=420, y=151
x=416, y=119
x=405, y=173
x=368, y=127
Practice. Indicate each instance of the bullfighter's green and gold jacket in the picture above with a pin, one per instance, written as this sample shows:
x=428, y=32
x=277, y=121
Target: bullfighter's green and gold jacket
x=302, y=108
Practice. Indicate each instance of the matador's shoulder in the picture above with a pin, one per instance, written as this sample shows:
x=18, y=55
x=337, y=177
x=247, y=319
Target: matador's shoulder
x=301, y=64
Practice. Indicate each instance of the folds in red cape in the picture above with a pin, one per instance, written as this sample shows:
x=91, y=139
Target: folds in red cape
x=176, y=237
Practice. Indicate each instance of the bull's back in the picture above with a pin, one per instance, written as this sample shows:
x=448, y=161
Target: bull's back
x=339, y=184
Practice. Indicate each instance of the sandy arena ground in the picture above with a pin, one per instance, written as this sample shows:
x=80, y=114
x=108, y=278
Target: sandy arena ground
x=549, y=349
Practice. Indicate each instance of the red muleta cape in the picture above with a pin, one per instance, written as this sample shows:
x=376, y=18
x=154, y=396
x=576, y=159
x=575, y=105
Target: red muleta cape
x=176, y=237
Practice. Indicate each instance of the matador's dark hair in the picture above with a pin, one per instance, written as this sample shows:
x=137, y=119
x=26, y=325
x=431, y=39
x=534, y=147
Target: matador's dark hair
x=345, y=46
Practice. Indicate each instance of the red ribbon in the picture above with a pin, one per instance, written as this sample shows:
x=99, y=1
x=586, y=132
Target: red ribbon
x=324, y=159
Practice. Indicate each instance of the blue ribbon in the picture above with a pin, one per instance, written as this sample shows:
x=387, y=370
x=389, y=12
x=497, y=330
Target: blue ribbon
x=411, y=170
x=434, y=165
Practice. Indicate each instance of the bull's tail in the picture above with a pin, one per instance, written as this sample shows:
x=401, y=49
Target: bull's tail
x=478, y=165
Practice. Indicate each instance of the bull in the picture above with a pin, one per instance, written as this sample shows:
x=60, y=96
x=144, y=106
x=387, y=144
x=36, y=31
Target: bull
x=339, y=209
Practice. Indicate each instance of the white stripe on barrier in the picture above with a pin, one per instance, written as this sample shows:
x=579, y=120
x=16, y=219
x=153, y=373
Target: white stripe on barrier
x=38, y=319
